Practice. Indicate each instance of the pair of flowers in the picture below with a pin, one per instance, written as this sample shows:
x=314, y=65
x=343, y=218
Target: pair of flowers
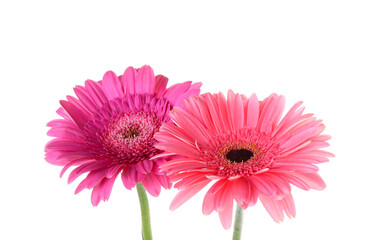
x=134, y=126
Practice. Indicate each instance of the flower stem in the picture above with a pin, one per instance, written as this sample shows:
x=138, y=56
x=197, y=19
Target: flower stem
x=238, y=223
x=145, y=216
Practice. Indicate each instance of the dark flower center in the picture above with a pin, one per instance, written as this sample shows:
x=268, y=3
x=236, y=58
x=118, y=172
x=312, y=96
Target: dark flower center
x=131, y=133
x=239, y=155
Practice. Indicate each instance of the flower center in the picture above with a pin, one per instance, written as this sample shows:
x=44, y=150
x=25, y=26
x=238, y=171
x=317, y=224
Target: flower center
x=133, y=132
x=127, y=138
x=122, y=131
x=239, y=155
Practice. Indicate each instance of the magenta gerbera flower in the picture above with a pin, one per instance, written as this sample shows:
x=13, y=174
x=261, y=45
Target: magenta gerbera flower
x=247, y=149
x=110, y=128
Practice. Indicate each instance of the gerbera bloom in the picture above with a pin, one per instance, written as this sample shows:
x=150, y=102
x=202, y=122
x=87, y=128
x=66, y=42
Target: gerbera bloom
x=244, y=146
x=110, y=128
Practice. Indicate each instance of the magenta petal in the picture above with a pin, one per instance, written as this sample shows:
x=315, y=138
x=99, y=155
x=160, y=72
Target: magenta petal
x=102, y=190
x=85, y=99
x=83, y=169
x=129, y=178
x=81, y=186
x=147, y=80
x=106, y=187
x=63, y=114
x=128, y=80
x=111, y=85
x=164, y=181
x=174, y=92
x=161, y=83
x=94, y=177
x=95, y=198
x=151, y=184
x=144, y=167
x=194, y=90
x=147, y=164
x=95, y=90
x=76, y=114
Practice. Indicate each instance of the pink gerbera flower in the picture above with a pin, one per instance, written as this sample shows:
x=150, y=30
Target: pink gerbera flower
x=110, y=128
x=244, y=146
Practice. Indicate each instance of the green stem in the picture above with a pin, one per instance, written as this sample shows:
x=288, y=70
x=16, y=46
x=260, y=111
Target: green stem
x=238, y=223
x=145, y=216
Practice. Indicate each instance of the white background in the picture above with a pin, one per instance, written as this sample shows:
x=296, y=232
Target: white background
x=323, y=52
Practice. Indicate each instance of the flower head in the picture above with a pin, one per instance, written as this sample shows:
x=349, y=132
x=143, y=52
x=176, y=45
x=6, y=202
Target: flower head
x=110, y=128
x=246, y=148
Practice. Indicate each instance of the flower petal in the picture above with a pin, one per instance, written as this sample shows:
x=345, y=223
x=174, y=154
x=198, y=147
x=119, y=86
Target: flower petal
x=111, y=85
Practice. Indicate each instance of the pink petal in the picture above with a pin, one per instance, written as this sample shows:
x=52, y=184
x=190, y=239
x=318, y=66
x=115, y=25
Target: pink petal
x=223, y=111
x=226, y=214
x=296, y=181
x=197, y=107
x=188, y=123
x=272, y=208
x=294, y=167
x=313, y=180
x=263, y=185
x=298, y=138
x=213, y=108
x=243, y=192
x=187, y=193
x=236, y=110
x=290, y=118
x=190, y=181
x=252, y=111
x=288, y=205
x=208, y=203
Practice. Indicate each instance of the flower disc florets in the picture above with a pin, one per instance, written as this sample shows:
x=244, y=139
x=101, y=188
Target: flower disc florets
x=240, y=153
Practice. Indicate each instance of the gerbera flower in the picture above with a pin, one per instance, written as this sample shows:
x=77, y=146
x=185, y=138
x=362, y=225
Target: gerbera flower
x=244, y=146
x=110, y=128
